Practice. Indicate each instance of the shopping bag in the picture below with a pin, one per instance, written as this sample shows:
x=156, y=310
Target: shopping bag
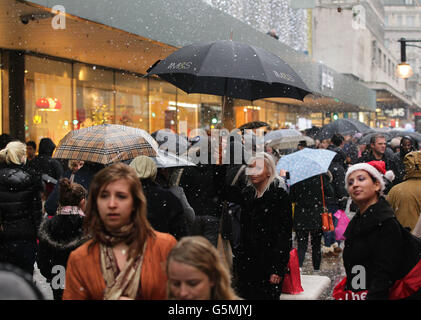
x=327, y=222
x=339, y=292
x=343, y=221
x=292, y=279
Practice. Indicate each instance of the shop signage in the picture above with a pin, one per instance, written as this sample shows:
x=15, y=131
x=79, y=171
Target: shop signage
x=395, y=112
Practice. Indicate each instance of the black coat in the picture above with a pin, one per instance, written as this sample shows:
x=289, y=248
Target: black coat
x=338, y=170
x=44, y=164
x=58, y=236
x=308, y=198
x=20, y=203
x=375, y=241
x=165, y=211
x=266, y=232
x=200, y=184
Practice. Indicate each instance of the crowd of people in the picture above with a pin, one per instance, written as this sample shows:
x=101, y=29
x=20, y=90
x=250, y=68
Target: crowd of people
x=131, y=230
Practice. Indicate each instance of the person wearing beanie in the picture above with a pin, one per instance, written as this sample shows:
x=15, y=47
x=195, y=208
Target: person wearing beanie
x=164, y=210
x=63, y=233
x=375, y=244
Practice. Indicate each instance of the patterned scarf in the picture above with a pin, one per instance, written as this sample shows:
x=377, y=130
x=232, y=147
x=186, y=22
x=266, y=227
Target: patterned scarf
x=124, y=283
x=70, y=210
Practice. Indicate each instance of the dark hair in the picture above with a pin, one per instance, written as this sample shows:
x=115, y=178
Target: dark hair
x=374, y=137
x=337, y=139
x=70, y=193
x=32, y=144
x=302, y=143
x=46, y=147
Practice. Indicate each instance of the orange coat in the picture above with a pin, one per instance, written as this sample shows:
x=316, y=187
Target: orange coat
x=84, y=280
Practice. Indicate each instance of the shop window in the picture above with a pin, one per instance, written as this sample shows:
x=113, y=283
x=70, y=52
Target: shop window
x=188, y=106
x=48, y=99
x=94, y=96
x=210, y=111
x=132, y=101
x=162, y=114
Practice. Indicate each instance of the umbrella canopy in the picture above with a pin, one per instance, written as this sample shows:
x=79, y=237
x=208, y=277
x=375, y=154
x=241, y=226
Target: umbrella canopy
x=281, y=133
x=343, y=127
x=170, y=160
x=401, y=133
x=231, y=69
x=289, y=142
x=253, y=125
x=306, y=163
x=171, y=141
x=106, y=144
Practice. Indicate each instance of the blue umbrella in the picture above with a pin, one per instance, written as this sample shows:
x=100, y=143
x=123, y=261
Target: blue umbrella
x=306, y=163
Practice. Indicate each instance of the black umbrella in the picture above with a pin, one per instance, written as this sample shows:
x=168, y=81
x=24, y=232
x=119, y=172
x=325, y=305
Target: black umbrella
x=253, y=125
x=366, y=138
x=343, y=127
x=230, y=69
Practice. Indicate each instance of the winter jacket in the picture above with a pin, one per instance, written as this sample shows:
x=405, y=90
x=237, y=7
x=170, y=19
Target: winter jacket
x=200, y=186
x=308, y=198
x=405, y=198
x=187, y=209
x=58, y=236
x=20, y=203
x=338, y=169
x=266, y=231
x=375, y=242
x=165, y=211
x=84, y=279
x=47, y=165
x=392, y=163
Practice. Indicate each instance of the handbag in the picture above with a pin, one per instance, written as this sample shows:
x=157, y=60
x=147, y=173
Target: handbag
x=343, y=221
x=327, y=220
x=292, y=279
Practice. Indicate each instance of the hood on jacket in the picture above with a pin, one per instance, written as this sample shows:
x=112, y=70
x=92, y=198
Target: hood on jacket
x=52, y=231
x=412, y=162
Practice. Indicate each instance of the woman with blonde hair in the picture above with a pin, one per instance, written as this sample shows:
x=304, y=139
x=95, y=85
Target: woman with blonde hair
x=265, y=230
x=196, y=272
x=125, y=257
x=20, y=208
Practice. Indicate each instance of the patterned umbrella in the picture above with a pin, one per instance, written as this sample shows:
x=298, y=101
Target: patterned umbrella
x=106, y=144
x=306, y=163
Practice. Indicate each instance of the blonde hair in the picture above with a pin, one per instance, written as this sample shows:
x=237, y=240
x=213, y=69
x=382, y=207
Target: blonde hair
x=14, y=152
x=145, y=167
x=270, y=165
x=198, y=252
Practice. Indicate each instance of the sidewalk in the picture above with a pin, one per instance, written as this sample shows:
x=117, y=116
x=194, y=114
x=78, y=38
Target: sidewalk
x=331, y=267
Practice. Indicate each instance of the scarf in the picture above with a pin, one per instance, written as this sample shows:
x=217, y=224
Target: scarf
x=70, y=210
x=127, y=282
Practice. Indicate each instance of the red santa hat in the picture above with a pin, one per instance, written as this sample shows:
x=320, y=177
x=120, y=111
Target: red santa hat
x=377, y=169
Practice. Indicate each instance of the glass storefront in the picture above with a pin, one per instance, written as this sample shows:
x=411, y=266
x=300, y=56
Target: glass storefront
x=62, y=96
x=48, y=98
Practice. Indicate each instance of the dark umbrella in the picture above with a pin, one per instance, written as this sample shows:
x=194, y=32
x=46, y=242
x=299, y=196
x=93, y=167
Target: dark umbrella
x=343, y=127
x=401, y=133
x=365, y=139
x=230, y=69
x=253, y=125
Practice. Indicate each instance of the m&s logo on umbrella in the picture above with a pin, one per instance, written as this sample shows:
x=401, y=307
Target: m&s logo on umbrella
x=185, y=65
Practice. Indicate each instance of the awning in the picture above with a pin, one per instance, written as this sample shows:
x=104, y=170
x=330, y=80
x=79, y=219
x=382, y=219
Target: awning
x=175, y=23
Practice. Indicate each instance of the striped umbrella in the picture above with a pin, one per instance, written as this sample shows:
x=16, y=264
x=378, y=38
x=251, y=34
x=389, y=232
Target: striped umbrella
x=106, y=144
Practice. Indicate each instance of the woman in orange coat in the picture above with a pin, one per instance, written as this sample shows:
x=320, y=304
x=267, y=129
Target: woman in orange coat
x=126, y=257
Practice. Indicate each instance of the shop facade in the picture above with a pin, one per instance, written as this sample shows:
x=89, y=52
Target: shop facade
x=52, y=86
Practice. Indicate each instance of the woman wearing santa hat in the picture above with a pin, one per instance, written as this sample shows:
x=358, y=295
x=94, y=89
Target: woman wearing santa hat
x=376, y=253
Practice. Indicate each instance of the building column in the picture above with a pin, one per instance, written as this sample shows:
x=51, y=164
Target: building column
x=16, y=73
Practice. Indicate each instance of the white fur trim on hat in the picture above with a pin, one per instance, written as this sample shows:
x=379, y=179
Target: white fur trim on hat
x=370, y=169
